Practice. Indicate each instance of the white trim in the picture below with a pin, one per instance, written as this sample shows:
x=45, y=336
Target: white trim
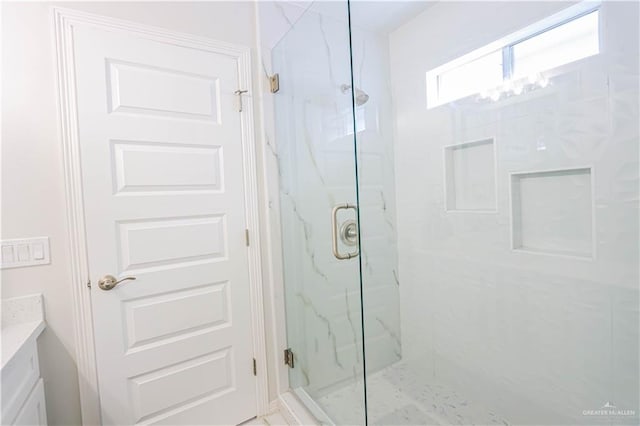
x=271, y=219
x=64, y=22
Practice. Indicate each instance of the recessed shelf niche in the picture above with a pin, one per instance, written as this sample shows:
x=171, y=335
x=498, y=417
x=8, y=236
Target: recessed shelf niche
x=470, y=176
x=552, y=212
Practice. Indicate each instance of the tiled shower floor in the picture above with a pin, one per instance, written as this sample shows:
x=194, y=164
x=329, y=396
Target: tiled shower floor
x=396, y=396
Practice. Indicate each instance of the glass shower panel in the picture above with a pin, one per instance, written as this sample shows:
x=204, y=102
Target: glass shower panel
x=316, y=156
x=376, y=195
x=513, y=217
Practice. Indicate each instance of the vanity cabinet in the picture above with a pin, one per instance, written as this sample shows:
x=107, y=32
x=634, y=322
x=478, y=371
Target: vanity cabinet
x=23, y=400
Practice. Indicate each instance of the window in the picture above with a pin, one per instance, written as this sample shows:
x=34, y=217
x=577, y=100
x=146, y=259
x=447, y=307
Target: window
x=565, y=37
x=471, y=77
x=565, y=43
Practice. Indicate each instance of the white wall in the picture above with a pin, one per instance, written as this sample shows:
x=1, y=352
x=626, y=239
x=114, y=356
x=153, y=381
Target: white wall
x=537, y=337
x=33, y=199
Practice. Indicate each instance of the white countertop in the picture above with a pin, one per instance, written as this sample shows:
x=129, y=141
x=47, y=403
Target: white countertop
x=16, y=335
x=22, y=320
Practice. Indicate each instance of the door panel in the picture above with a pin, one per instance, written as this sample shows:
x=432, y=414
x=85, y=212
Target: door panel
x=142, y=89
x=163, y=189
x=146, y=167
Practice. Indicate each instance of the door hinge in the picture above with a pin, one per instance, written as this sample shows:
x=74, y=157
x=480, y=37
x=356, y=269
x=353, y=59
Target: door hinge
x=89, y=284
x=240, y=93
x=288, y=357
x=274, y=83
x=255, y=367
x=246, y=237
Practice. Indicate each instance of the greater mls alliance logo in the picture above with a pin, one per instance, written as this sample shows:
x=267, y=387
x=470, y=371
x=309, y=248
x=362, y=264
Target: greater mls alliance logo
x=609, y=409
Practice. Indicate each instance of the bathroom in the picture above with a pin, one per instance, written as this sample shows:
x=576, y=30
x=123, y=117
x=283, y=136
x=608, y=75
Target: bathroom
x=320, y=212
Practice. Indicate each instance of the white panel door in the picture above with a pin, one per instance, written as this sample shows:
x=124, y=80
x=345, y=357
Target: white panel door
x=161, y=150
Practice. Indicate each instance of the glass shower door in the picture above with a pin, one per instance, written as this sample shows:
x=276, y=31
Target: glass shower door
x=315, y=150
x=516, y=209
x=496, y=279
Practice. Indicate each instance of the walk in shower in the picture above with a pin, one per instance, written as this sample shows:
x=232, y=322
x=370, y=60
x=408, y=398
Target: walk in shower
x=458, y=210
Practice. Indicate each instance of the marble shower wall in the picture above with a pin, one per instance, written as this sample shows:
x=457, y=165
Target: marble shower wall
x=310, y=144
x=376, y=183
x=506, y=293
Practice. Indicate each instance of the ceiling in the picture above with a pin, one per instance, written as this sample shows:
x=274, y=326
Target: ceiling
x=385, y=16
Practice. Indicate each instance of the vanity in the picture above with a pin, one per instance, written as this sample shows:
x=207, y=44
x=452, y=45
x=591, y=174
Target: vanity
x=23, y=401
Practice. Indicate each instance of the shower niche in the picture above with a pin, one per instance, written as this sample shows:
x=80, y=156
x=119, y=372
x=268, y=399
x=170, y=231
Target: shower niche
x=470, y=176
x=552, y=212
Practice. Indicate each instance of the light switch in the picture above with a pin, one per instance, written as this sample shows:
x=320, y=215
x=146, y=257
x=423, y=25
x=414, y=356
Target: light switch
x=7, y=254
x=23, y=252
x=37, y=251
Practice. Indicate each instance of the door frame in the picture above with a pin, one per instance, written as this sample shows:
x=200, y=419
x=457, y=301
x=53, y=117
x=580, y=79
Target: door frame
x=64, y=21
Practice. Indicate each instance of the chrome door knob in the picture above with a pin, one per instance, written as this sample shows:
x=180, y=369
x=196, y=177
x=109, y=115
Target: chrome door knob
x=109, y=281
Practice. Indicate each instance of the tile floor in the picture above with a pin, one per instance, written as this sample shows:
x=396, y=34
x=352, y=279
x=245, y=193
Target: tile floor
x=273, y=419
x=396, y=396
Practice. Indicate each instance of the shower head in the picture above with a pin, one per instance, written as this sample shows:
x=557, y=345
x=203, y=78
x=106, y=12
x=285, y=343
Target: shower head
x=361, y=95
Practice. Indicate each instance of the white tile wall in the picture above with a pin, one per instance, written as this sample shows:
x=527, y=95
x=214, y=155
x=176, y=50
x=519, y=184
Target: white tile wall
x=537, y=338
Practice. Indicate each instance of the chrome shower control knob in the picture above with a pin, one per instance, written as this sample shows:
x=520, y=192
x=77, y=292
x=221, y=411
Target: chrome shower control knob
x=349, y=233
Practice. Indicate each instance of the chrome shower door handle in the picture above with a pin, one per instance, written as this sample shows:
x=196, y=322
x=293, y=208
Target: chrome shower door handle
x=348, y=230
